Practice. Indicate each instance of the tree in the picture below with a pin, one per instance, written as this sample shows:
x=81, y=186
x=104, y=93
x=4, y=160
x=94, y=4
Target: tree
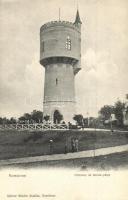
x=12, y=120
x=22, y=118
x=106, y=111
x=57, y=117
x=119, y=107
x=25, y=118
x=37, y=116
x=79, y=119
x=5, y=120
x=1, y=120
x=46, y=117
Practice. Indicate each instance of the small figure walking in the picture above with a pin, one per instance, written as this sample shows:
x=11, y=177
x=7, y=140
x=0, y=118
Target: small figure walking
x=73, y=145
x=66, y=148
x=76, y=145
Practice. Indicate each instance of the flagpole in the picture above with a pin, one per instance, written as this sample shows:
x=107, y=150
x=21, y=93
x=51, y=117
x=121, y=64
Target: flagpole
x=59, y=14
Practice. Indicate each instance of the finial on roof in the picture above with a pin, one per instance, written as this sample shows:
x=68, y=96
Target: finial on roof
x=77, y=20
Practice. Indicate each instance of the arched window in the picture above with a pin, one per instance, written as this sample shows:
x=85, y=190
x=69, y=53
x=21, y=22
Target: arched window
x=68, y=43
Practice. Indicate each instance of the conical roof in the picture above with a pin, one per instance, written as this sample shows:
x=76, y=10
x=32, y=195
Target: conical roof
x=78, y=20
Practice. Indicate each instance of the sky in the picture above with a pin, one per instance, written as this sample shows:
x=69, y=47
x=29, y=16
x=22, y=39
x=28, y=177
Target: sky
x=104, y=75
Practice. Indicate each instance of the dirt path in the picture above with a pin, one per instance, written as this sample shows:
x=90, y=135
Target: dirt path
x=81, y=154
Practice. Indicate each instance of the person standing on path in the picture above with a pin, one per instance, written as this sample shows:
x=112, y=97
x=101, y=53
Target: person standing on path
x=51, y=146
x=73, y=144
x=76, y=145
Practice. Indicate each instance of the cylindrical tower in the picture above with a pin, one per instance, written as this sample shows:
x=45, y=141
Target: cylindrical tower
x=60, y=53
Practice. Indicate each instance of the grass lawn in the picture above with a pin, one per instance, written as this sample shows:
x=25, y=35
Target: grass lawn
x=16, y=144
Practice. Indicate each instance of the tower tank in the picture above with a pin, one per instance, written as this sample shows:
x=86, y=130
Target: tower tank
x=60, y=54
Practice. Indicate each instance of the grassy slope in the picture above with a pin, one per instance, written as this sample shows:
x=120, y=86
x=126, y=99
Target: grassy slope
x=14, y=144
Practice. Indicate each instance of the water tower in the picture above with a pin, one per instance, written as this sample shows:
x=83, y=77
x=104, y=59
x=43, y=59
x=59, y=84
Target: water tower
x=60, y=54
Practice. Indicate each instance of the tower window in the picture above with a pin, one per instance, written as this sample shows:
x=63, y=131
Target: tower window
x=42, y=46
x=68, y=43
x=56, y=81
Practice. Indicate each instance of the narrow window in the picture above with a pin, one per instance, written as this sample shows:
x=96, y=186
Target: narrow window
x=68, y=43
x=42, y=46
x=56, y=81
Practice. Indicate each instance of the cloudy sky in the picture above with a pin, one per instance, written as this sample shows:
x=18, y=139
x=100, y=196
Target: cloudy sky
x=104, y=74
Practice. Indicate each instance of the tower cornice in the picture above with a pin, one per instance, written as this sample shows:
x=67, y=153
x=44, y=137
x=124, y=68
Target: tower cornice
x=59, y=23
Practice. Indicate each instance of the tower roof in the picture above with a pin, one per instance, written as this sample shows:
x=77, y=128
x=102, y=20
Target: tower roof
x=77, y=20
